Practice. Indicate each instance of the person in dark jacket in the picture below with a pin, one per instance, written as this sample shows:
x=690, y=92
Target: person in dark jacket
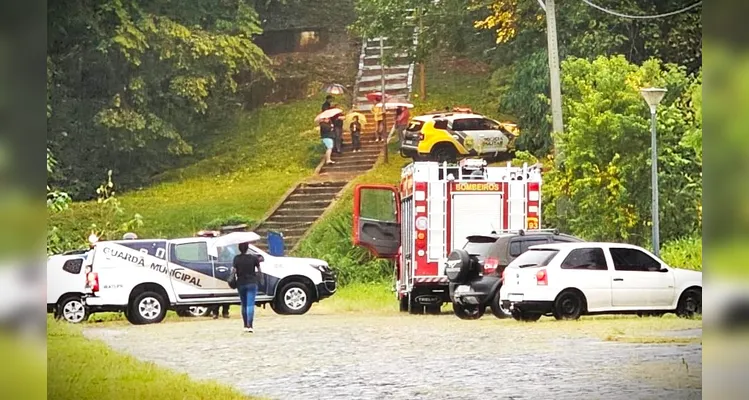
x=326, y=105
x=224, y=313
x=247, y=268
x=355, y=129
x=327, y=136
x=338, y=134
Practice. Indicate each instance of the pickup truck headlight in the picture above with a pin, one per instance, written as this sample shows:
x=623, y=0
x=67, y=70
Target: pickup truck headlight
x=321, y=268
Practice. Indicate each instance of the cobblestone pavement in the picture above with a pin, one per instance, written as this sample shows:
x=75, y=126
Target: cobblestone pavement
x=357, y=356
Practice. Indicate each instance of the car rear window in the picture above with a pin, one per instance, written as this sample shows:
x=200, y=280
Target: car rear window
x=479, y=245
x=534, y=258
x=415, y=126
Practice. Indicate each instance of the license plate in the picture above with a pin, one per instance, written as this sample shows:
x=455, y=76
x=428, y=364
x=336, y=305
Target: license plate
x=409, y=142
x=463, y=289
x=515, y=297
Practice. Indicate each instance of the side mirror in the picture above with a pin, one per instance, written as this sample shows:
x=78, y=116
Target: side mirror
x=261, y=258
x=663, y=269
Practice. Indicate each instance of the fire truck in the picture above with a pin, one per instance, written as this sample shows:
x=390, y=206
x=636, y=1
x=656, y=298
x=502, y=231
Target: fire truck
x=433, y=210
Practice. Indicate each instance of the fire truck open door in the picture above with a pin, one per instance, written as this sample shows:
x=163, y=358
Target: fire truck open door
x=377, y=219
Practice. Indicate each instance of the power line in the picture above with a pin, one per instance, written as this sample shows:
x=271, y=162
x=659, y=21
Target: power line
x=618, y=14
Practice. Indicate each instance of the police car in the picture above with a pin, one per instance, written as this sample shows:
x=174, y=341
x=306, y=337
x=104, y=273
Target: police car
x=143, y=278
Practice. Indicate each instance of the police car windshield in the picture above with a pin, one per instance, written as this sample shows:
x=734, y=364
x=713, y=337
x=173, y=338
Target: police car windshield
x=479, y=245
x=533, y=258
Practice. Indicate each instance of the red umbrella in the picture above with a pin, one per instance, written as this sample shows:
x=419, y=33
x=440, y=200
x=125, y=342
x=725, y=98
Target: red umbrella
x=377, y=96
x=329, y=113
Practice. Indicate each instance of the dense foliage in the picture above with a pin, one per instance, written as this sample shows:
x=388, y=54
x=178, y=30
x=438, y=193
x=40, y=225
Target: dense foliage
x=133, y=84
x=602, y=191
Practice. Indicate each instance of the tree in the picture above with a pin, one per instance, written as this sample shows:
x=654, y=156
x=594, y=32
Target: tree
x=602, y=192
x=134, y=84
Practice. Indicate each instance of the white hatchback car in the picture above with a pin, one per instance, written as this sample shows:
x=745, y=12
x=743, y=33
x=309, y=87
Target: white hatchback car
x=568, y=280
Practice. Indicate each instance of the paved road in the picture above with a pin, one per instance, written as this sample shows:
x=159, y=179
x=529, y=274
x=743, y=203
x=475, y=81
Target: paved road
x=411, y=357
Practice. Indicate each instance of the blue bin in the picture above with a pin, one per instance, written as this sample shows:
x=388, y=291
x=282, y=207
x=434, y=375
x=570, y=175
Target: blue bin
x=275, y=244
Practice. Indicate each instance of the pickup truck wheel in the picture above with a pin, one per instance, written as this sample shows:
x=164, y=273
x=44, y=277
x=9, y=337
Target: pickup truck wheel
x=497, y=309
x=295, y=299
x=518, y=315
x=468, y=311
x=147, y=308
x=198, y=311
x=690, y=303
x=72, y=309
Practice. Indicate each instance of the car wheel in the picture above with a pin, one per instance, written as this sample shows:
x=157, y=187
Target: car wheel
x=444, y=153
x=519, y=315
x=72, y=309
x=198, y=311
x=295, y=299
x=569, y=305
x=468, y=311
x=690, y=303
x=497, y=309
x=147, y=308
x=650, y=314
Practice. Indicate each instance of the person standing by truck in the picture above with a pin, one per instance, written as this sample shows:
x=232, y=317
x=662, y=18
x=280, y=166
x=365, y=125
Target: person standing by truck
x=247, y=269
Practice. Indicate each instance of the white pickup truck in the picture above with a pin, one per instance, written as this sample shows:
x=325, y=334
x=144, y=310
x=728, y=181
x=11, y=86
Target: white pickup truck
x=145, y=278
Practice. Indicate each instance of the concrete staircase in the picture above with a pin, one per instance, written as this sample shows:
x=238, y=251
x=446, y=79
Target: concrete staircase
x=305, y=203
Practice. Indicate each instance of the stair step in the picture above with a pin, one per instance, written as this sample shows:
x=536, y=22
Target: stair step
x=307, y=204
x=286, y=232
x=311, y=197
x=296, y=213
x=389, y=69
x=345, y=168
x=350, y=163
x=292, y=218
x=389, y=87
x=388, y=78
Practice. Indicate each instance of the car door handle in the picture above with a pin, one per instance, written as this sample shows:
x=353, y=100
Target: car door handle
x=222, y=269
x=618, y=279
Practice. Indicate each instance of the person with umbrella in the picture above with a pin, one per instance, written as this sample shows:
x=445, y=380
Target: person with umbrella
x=337, y=122
x=327, y=135
x=326, y=105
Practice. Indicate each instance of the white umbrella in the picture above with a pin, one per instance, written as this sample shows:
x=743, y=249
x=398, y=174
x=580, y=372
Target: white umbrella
x=329, y=113
x=394, y=105
x=231, y=239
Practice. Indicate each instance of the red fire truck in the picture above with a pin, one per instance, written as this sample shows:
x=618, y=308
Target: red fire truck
x=432, y=211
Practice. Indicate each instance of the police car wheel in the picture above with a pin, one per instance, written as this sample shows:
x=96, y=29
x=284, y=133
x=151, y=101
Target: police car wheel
x=198, y=311
x=73, y=310
x=294, y=299
x=147, y=308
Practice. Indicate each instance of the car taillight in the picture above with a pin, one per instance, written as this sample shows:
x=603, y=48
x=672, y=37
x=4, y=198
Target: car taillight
x=93, y=281
x=542, y=278
x=490, y=266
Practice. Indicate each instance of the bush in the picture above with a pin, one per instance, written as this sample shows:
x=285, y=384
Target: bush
x=683, y=253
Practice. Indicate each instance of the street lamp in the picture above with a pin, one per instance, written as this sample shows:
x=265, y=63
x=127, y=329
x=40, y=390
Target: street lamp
x=653, y=97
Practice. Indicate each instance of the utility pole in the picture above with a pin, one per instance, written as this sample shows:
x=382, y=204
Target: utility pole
x=556, y=90
x=422, y=75
x=382, y=92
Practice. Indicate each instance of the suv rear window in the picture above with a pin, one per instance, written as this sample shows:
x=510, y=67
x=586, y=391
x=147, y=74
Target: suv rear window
x=534, y=258
x=415, y=126
x=479, y=245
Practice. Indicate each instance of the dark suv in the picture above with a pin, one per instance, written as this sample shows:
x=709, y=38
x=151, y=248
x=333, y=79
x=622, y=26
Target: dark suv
x=475, y=271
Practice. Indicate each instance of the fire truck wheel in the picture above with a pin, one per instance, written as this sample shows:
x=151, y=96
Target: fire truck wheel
x=468, y=311
x=434, y=309
x=403, y=304
x=459, y=266
x=414, y=307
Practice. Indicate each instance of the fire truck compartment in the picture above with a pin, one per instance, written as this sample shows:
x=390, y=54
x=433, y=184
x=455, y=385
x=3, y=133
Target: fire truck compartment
x=474, y=213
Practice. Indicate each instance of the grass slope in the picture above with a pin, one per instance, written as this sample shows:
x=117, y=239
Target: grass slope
x=242, y=172
x=85, y=369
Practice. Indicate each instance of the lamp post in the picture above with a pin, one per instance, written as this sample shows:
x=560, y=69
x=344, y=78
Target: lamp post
x=653, y=97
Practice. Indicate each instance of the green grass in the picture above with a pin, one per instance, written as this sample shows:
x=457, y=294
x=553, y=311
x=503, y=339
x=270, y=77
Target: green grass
x=240, y=172
x=86, y=369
